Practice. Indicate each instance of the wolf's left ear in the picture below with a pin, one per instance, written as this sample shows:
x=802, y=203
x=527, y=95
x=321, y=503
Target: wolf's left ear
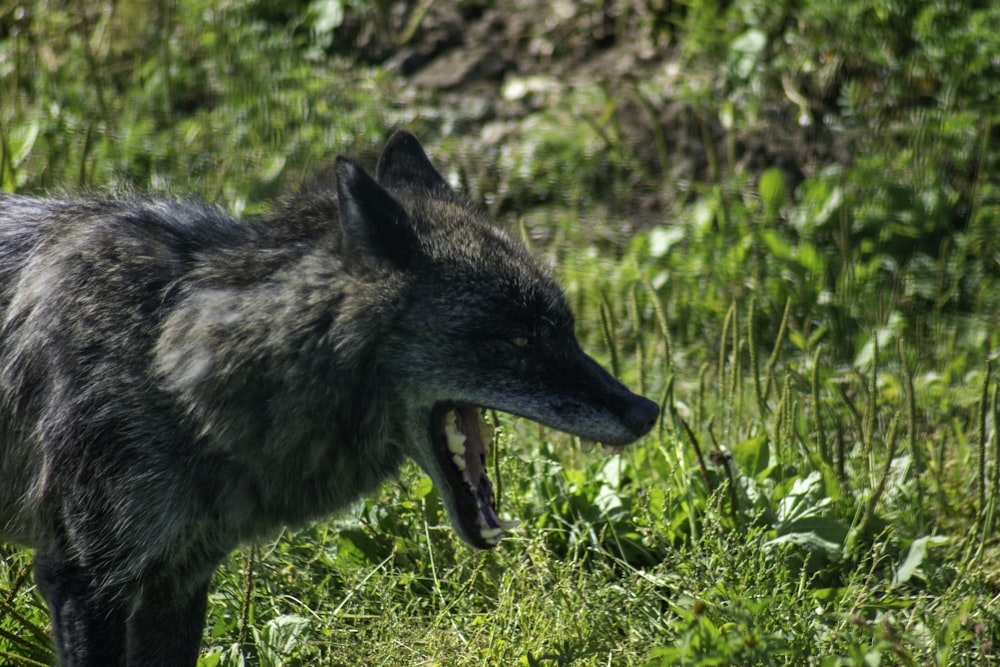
x=405, y=165
x=374, y=223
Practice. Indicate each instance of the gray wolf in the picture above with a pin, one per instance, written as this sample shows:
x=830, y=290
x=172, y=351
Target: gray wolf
x=175, y=382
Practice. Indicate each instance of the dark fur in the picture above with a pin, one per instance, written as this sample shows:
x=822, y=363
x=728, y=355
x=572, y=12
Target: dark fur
x=174, y=382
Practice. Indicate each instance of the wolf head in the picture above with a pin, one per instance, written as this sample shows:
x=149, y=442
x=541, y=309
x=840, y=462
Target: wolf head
x=480, y=325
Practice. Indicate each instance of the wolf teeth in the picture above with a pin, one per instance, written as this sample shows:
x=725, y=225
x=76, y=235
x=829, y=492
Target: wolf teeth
x=456, y=439
x=459, y=461
x=510, y=524
x=490, y=533
x=456, y=443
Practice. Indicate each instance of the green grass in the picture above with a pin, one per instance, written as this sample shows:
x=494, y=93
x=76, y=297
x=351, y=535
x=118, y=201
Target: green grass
x=823, y=488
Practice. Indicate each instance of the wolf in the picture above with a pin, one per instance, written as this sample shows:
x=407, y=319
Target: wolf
x=175, y=382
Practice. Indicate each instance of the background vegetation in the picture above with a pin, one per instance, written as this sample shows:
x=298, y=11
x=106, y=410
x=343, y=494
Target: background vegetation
x=778, y=219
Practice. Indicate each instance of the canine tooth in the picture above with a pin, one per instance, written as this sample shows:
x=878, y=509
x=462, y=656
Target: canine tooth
x=493, y=541
x=490, y=533
x=587, y=446
x=456, y=443
x=459, y=461
x=456, y=439
x=509, y=524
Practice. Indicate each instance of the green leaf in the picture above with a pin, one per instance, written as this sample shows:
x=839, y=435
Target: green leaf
x=662, y=239
x=210, y=660
x=747, y=49
x=806, y=500
x=811, y=543
x=779, y=247
x=772, y=191
x=809, y=259
x=422, y=488
x=355, y=548
x=915, y=556
x=280, y=637
x=752, y=456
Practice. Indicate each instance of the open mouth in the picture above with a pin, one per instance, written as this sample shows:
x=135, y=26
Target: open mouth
x=461, y=440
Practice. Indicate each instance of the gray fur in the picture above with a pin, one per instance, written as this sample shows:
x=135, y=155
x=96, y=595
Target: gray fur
x=174, y=382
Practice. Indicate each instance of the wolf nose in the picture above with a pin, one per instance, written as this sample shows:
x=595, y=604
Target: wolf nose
x=641, y=415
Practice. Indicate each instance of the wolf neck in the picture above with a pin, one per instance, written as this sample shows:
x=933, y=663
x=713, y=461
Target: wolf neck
x=281, y=376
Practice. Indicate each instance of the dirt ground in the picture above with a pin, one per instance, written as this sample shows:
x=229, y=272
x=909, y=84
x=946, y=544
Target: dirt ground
x=467, y=52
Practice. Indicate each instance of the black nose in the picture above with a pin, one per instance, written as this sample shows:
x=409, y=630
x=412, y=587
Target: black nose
x=641, y=415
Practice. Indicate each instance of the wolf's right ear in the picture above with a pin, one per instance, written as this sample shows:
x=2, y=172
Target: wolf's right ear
x=374, y=223
x=404, y=164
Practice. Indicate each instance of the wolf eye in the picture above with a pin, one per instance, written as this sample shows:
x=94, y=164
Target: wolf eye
x=520, y=341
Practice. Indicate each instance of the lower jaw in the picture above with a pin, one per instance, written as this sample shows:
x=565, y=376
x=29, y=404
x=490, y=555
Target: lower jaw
x=473, y=510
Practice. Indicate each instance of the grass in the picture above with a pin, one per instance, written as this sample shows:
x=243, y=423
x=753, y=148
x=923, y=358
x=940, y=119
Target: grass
x=823, y=488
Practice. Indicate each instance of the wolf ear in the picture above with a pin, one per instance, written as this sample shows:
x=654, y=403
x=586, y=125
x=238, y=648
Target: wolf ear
x=405, y=165
x=374, y=222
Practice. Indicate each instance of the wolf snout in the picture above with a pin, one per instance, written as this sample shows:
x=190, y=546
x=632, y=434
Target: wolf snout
x=640, y=415
x=633, y=416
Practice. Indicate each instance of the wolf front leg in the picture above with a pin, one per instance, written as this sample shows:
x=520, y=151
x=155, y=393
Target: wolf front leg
x=165, y=628
x=88, y=619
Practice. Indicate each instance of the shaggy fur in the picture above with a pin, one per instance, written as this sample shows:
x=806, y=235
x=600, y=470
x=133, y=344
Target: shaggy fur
x=174, y=382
